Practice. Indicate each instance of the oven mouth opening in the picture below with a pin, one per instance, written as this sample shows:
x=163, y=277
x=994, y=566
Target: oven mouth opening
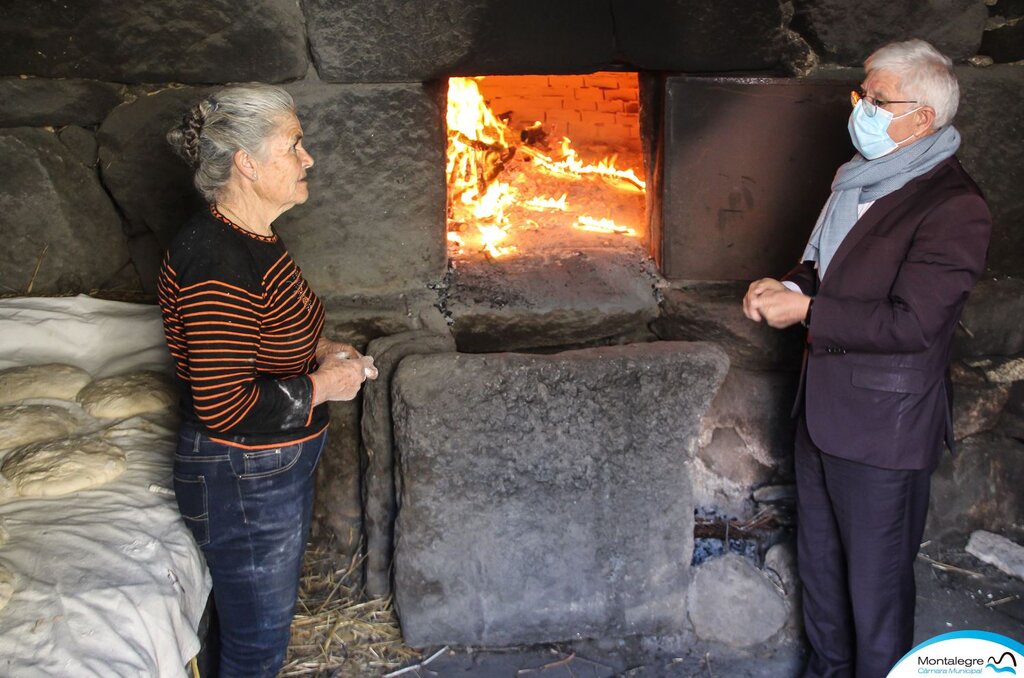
x=543, y=163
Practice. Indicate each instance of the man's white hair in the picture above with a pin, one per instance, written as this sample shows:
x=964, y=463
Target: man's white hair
x=925, y=75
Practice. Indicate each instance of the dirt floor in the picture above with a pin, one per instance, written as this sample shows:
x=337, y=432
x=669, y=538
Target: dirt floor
x=338, y=634
x=955, y=592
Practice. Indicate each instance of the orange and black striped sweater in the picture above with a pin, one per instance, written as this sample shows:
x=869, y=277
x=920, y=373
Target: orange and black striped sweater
x=242, y=325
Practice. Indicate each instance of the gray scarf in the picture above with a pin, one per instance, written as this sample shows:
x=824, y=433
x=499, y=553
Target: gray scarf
x=861, y=180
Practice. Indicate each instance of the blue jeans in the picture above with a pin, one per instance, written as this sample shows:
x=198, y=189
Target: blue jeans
x=249, y=510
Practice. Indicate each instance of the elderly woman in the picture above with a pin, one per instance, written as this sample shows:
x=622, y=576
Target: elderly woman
x=244, y=330
x=884, y=278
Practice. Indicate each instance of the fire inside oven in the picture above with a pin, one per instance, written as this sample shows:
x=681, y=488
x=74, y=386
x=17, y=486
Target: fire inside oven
x=542, y=162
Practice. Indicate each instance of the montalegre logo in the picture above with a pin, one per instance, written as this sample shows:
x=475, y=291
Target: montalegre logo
x=963, y=653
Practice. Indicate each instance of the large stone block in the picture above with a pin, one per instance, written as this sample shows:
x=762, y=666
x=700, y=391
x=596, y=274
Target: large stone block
x=40, y=102
x=691, y=35
x=557, y=299
x=1004, y=41
x=979, y=489
x=846, y=33
x=337, y=509
x=734, y=603
x=991, y=325
x=378, y=451
x=61, y=233
x=375, y=219
x=547, y=497
x=976, y=407
x=1011, y=421
x=175, y=41
x=394, y=41
x=780, y=565
x=1005, y=8
x=714, y=312
x=991, y=119
x=357, y=319
x=150, y=184
x=746, y=439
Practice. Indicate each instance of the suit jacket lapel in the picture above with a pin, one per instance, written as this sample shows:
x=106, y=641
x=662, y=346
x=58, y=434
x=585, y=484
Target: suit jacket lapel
x=874, y=214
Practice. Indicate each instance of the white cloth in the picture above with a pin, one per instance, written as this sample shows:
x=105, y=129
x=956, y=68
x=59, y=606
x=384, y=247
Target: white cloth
x=101, y=337
x=108, y=581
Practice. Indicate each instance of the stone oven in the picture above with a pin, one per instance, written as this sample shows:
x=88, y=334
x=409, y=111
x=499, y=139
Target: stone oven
x=573, y=423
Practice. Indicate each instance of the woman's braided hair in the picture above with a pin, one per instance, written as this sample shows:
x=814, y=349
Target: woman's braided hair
x=232, y=119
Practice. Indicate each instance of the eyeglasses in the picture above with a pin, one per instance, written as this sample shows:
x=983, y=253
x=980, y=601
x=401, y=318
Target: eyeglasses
x=871, y=103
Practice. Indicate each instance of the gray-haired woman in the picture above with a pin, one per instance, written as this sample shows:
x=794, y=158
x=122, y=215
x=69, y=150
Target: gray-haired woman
x=245, y=332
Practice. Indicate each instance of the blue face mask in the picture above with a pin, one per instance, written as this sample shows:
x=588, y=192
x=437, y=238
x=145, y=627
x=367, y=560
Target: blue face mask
x=870, y=134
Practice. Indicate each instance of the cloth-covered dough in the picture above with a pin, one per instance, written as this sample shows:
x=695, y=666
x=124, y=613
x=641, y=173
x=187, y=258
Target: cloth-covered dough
x=128, y=395
x=24, y=424
x=62, y=466
x=54, y=380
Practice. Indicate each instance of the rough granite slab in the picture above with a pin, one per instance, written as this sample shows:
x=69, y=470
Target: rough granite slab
x=547, y=497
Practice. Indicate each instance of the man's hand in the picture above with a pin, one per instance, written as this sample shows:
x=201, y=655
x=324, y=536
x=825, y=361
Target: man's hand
x=754, y=292
x=781, y=308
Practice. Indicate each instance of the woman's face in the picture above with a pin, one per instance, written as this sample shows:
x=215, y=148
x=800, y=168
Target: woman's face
x=281, y=171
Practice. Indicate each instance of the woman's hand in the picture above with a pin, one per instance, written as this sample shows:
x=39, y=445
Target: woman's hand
x=341, y=378
x=326, y=347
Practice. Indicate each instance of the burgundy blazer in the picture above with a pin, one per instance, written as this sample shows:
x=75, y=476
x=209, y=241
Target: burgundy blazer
x=875, y=383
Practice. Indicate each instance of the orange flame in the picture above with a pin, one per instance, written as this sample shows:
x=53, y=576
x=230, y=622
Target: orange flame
x=541, y=203
x=571, y=166
x=479, y=152
x=585, y=223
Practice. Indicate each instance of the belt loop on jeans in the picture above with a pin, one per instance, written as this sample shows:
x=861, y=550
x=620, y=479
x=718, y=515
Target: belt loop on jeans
x=195, y=441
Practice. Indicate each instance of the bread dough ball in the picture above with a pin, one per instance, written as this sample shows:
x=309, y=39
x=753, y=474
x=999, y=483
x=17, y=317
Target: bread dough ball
x=54, y=380
x=6, y=586
x=62, y=466
x=25, y=424
x=128, y=395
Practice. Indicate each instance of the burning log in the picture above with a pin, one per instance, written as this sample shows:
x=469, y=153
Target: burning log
x=493, y=157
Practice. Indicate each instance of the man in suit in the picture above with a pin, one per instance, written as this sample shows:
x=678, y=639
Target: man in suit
x=884, y=278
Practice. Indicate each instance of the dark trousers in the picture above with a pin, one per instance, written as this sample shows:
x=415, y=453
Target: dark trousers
x=249, y=511
x=859, y=529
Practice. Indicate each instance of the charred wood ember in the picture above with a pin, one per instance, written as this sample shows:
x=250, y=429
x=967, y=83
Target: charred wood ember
x=535, y=135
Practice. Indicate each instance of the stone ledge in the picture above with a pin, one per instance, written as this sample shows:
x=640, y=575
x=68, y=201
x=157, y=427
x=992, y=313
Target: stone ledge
x=558, y=299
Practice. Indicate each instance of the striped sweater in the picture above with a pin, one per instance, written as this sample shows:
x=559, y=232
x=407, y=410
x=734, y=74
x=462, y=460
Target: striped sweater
x=242, y=326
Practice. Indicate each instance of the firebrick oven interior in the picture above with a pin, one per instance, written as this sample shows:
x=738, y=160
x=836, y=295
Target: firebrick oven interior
x=543, y=162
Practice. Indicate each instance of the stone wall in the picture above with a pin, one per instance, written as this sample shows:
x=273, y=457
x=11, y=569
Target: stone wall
x=368, y=78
